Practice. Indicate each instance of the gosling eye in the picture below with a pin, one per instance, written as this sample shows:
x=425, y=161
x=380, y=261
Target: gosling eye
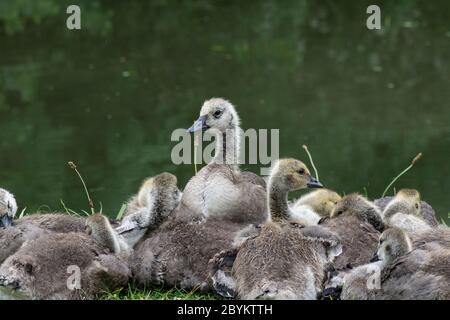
x=217, y=114
x=9, y=205
x=29, y=268
x=417, y=206
x=301, y=171
x=340, y=212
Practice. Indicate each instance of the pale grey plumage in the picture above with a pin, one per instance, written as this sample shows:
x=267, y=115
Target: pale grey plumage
x=358, y=223
x=220, y=189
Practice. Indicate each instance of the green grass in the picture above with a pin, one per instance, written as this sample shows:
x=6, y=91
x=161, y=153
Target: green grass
x=157, y=294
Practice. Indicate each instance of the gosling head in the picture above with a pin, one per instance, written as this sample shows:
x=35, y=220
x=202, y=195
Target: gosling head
x=160, y=192
x=216, y=114
x=287, y=175
x=321, y=201
x=406, y=201
x=99, y=228
x=356, y=205
x=394, y=243
x=292, y=174
x=8, y=208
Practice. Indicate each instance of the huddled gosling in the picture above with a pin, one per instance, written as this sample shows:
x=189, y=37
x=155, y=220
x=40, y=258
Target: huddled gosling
x=157, y=198
x=404, y=211
x=358, y=223
x=315, y=205
x=71, y=265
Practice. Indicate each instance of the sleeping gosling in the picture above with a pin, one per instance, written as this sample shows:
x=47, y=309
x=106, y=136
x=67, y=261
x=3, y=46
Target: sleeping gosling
x=44, y=268
x=315, y=205
x=404, y=211
x=358, y=223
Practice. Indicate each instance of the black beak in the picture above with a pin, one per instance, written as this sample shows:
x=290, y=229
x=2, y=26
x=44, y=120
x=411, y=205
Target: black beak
x=314, y=183
x=6, y=221
x=199, y=124
x=375, y=258
x=322, y=220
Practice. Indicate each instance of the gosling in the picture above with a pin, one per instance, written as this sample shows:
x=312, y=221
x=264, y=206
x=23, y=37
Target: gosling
x=358, y=223
x=220, y=189
x=407, y=272
x=281, y=259
x=8, y=208
x=315, y=205
x=156, y=200
x=15, y=232
x=74, y=265
x=404, y=211
x=427, y=212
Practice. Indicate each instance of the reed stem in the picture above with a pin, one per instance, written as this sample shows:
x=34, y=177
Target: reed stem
x=311, y=160
x=91, y=204
x=413, y=162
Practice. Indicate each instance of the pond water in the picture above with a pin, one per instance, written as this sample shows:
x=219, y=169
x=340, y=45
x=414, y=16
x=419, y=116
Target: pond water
x=109, y=96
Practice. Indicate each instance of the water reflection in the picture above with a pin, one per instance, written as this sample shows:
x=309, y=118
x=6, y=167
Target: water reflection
x=108, y=97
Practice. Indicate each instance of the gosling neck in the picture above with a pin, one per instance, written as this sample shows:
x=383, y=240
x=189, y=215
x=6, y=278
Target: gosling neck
x=278, y=200
x=107, y=236
x=161, y=208
x=227, y=147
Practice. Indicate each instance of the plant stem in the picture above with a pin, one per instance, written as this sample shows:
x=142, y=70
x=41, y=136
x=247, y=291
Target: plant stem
x=413, y=162
x=91, y=204
x=311, y=160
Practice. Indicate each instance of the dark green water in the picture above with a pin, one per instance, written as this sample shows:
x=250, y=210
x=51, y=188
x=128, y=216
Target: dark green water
x=109, y=96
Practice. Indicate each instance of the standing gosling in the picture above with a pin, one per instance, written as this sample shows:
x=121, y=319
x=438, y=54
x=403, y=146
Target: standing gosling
x=403, y=211
x=280, y=259
x=157, y=198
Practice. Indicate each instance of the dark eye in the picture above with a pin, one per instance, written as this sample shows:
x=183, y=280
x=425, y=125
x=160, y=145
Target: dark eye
x=9, y=206
x=217, y=114
x=301, y=171
x=28, y=268
x=388, y=248
x=339, y=212
x=417, y=206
